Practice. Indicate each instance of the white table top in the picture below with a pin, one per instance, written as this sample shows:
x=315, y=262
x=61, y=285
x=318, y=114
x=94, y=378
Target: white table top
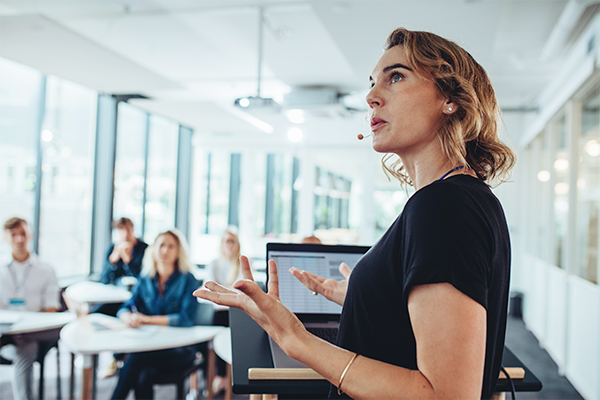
x=29, y=321
x=95, y=292
x=81, y=338
x=222, y=345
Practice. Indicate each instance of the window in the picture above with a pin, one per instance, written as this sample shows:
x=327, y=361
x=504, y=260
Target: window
x=541, y=195
x=20, y=89
x=67, y=176
x=209, y=208
x=161, y=178
x=130, y=166
x=278, y=209
x=588, y=186
x=387, y=204
x=332, y=200
x=561, y=191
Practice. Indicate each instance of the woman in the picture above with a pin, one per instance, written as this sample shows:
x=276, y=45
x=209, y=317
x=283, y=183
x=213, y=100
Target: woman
x=225, y=270
x=424, y=311
x=161, y=297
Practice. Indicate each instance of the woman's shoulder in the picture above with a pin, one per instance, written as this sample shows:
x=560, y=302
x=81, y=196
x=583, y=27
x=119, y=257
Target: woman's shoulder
x=455, y=189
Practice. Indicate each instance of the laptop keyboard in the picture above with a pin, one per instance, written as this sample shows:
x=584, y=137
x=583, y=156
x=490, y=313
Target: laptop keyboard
x=328, y=334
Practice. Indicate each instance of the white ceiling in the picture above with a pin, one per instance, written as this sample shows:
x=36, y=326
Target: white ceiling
x=192, y=58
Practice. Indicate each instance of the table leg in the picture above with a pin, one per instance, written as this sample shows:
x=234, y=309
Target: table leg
x=229, y=388
x=72, y=378
x=87, y=377
x=212, y=363
x=94, y=375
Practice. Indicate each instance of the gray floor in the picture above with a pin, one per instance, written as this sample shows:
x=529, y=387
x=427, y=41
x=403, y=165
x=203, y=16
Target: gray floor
x=519, y=340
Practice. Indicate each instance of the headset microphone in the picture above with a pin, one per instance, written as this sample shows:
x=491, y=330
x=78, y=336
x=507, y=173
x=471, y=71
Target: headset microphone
x=360, y=136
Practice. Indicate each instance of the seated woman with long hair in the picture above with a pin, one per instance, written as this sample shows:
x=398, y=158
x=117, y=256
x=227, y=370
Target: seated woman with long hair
x=161, y=297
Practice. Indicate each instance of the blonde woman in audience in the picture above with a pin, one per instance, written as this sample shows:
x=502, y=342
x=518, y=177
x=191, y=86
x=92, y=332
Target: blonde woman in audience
x=163, y=296
x=226, y=269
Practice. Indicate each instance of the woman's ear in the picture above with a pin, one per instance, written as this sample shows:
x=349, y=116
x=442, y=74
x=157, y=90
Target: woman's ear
x=449, y=107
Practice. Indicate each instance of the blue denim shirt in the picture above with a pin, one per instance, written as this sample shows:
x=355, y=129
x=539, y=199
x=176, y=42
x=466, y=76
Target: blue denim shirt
x=177, y=303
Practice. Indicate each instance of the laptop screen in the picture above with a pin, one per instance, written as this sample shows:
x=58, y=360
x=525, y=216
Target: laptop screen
x=321, y=260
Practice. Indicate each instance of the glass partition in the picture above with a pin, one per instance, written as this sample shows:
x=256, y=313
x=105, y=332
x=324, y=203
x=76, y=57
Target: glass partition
x=561, y=191
x=588, y=187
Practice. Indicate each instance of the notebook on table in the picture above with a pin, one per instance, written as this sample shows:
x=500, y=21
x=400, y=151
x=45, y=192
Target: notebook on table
x=319, y=315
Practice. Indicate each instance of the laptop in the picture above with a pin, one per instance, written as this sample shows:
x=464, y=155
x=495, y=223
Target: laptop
x=319, y=315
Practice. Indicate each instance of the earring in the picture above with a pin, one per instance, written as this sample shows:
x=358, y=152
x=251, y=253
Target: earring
x=449, y=109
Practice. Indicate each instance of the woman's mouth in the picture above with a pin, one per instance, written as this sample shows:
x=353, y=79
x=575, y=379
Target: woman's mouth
x=377, y=123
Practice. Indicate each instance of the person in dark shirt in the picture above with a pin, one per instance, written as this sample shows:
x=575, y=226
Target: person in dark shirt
x=125, y=257
x=424, y=310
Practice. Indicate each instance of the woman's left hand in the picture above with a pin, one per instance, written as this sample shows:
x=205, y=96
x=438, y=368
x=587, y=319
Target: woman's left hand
x=264, y=308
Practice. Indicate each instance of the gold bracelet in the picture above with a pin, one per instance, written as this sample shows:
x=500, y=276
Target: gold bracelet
x=339, y=386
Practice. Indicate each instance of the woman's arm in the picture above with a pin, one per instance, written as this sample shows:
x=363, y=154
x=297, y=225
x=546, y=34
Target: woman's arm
x=449, y=328
x=187, y=305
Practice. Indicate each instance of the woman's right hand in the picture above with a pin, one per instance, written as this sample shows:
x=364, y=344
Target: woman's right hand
x=331, y=289
x=264, y=308
x=132, y=319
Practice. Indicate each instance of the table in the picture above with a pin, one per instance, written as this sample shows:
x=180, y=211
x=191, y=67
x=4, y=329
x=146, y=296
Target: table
x=29, y=321
x=78, y=297
x=222, y=346
x=250, y=349
x=24, y=322
x=87, y=292
x=80, y=337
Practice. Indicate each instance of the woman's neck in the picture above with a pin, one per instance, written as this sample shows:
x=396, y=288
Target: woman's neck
x=429, y=165
x=164, y=271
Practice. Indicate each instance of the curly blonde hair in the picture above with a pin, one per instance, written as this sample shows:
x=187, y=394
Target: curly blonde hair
x=469, y=136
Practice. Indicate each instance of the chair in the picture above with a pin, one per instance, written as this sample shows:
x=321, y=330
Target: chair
x=43, y=349
x=204, y=316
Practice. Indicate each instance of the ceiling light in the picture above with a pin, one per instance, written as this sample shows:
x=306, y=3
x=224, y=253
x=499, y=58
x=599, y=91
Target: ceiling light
x=295, y=116
x=47, y=135
x=243, y=102
x=592, y=148
x=294, y=134
x=561, y=164
x=561, y=189
x=543, y=176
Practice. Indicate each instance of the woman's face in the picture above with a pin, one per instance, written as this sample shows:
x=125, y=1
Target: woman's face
x=405, y=109
x=230, y=245
x=166, y=250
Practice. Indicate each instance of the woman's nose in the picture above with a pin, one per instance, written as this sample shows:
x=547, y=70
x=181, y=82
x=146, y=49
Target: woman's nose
x=374, y=97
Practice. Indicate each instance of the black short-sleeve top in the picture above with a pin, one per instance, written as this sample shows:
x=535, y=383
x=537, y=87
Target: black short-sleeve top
x=451, y=231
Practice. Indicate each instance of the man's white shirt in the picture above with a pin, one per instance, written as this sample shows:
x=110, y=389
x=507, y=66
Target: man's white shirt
x=31, y=282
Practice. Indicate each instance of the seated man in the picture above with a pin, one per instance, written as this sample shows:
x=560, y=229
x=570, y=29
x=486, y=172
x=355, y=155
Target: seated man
x=122, y=259
x=125, y=257
x=26, y=284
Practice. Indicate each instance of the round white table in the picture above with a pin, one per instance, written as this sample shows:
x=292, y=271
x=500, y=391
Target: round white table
x=81, y=337
x=96, y=292
x=29, y=321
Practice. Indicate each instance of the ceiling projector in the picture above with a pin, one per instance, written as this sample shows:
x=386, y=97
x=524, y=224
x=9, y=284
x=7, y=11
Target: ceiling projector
x=252, y=103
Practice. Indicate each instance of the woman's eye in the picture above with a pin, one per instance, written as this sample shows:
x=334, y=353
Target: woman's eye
x=396, y=78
